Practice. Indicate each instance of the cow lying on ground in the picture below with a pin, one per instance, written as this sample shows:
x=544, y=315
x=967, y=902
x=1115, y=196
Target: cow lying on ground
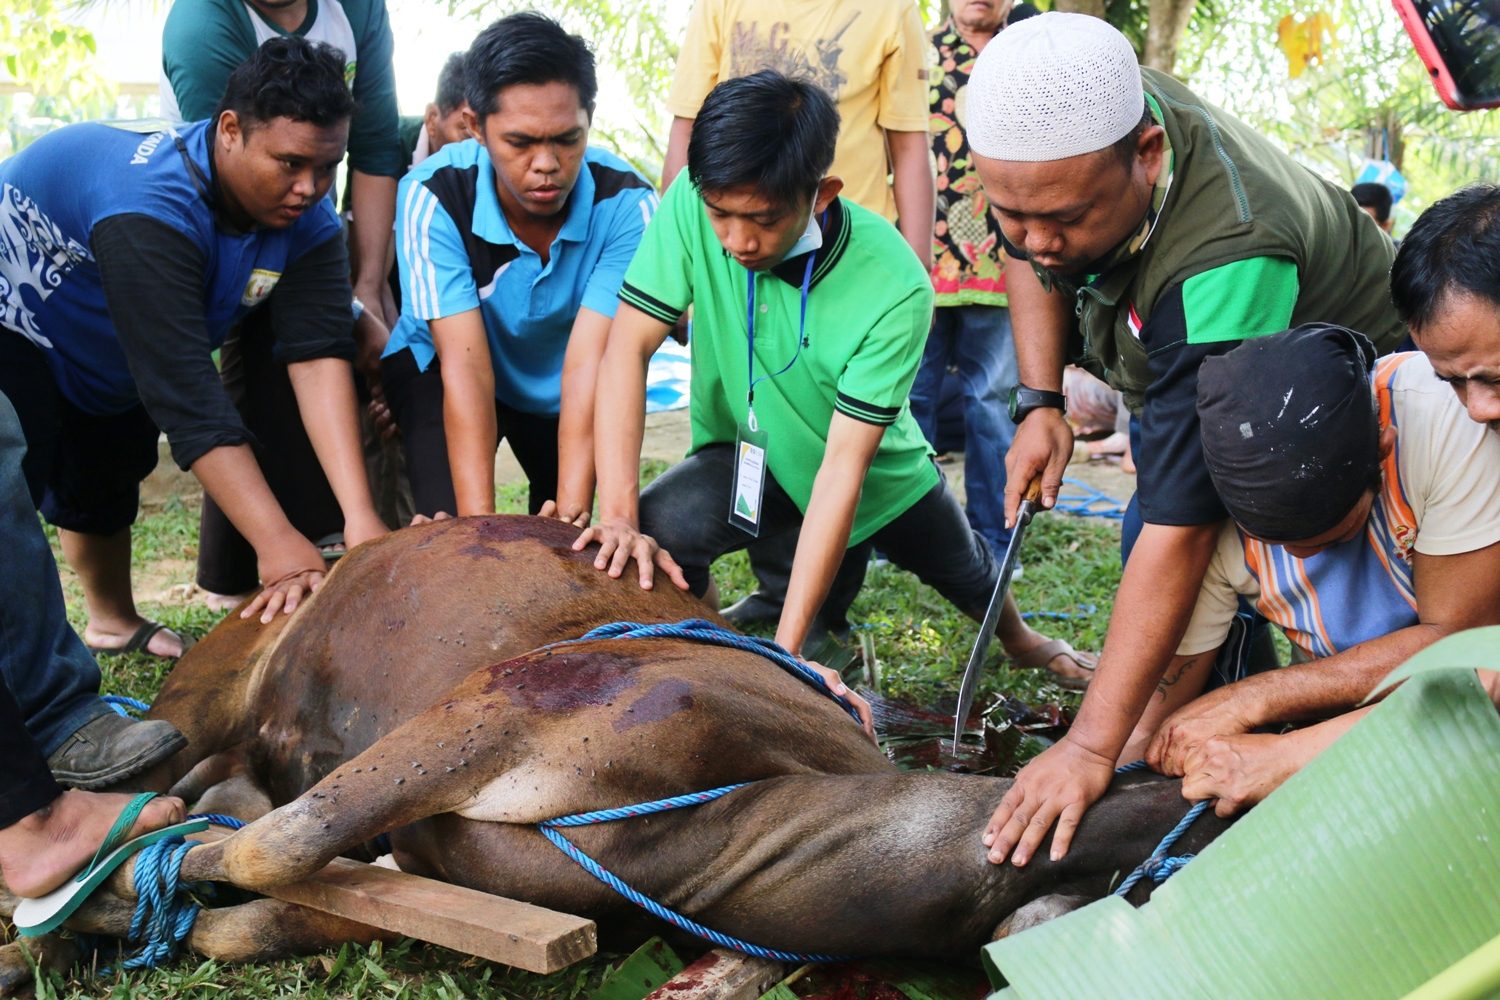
x=411, y=696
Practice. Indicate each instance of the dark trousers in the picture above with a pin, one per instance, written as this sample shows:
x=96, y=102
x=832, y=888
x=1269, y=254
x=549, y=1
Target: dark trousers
x=262, y=391
x=686, y=511
x=416, y=400
x=26, y=784
x=51, y=683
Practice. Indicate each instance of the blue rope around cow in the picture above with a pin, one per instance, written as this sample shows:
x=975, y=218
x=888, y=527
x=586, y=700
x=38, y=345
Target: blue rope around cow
x=1160, y=866
x=702, y=630
x=1086, y=501
x=588, y=864
x=696, y=630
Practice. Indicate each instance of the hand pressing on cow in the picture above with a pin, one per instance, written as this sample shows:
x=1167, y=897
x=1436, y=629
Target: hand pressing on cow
x=570, y=514
x=836, y=684
x=292, y=570
x=1057, y=786
x=1217, y=713
x=619, y=542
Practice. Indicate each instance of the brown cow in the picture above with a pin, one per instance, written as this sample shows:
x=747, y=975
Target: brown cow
x=411, y=696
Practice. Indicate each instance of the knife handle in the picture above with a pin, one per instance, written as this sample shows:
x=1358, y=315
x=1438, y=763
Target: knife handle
x=1033, y=492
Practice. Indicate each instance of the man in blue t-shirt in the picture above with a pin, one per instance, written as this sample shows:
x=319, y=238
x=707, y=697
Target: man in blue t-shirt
x=512, y=248
x=125, y=256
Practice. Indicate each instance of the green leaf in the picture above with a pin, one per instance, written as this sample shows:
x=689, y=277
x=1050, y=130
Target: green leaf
x=652, y=964
x=1476, y=649
x=1360, y=876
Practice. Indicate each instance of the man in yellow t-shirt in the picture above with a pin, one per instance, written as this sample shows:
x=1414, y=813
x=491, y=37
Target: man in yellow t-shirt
x=870, y=56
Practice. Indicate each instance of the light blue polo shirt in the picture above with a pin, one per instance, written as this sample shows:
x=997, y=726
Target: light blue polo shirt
x=457, y=253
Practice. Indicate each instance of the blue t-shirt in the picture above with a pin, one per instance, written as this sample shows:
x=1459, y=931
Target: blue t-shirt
x=55, y=191
x=457, y=253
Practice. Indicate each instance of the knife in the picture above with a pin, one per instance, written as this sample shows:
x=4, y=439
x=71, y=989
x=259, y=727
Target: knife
x=970, y=683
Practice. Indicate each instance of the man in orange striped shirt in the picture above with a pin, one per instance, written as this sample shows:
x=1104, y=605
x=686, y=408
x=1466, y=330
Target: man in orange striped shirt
x=1366, y=510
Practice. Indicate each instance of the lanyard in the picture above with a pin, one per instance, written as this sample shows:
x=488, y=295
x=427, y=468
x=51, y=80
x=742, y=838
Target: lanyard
x=750, y=334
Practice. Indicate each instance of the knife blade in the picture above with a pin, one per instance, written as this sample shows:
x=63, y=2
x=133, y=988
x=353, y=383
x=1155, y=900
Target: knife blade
x=970, y=683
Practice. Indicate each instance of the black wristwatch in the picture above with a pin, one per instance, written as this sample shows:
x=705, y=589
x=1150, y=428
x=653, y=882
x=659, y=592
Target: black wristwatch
x=1024, y=399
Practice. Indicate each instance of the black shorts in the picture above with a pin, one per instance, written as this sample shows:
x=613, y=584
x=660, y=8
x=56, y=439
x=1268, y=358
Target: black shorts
x=84, y=471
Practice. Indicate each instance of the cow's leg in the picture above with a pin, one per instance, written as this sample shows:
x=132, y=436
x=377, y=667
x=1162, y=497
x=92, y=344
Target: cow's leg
x=437, y=762
x=261, y=930
x=19, y=959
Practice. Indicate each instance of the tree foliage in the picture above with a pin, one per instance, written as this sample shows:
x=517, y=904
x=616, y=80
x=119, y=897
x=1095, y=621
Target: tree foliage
x=52, y=59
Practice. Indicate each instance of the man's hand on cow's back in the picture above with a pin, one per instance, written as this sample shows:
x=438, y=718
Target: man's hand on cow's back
x=621, y=541
x=1056, y=787
x=292, y=570
x=577, y=518
x=836, y=684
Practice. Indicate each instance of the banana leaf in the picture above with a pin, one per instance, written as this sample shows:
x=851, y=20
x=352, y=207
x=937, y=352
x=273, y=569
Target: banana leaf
x=1368, y=873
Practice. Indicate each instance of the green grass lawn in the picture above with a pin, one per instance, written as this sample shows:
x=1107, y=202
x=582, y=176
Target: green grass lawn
x=919, y=642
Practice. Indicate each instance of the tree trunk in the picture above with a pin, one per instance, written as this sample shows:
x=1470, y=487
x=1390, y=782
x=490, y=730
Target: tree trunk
x=1165, y=24
x=1092, y=7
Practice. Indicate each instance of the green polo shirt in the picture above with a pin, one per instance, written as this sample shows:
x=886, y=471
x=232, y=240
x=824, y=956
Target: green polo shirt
x=869, y=306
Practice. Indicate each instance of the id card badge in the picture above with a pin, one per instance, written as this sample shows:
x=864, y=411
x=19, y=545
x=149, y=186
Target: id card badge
x=749, y=477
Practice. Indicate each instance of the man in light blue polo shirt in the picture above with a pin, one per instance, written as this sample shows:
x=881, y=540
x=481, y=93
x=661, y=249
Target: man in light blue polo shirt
x=512, y=247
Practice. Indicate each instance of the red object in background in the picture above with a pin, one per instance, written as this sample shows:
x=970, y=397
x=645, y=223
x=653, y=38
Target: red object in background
x=1459, y=43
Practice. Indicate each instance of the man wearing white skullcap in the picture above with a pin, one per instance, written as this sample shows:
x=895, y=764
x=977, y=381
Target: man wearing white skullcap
x=1145, y=230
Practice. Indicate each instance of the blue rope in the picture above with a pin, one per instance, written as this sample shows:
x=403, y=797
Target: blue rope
x=648, y=904
x=123, y=705
x=1089, y=502
x=702, y=630
x=1160, y=866
x=219, y=819
x=164, y=915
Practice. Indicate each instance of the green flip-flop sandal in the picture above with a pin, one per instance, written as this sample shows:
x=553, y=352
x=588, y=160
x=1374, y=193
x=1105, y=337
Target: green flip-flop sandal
x=35, y=917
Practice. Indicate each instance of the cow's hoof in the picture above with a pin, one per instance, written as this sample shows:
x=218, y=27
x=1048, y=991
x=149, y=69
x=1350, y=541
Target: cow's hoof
x=1038, y=911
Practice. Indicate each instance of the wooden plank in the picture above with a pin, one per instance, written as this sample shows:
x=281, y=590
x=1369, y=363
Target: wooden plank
x=722, y=975
x=502, y=930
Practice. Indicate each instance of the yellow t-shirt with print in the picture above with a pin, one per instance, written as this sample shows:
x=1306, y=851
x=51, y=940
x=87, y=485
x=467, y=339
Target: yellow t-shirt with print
x=870, y=56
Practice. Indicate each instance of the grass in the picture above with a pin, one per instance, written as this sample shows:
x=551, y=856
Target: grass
x=919, y=641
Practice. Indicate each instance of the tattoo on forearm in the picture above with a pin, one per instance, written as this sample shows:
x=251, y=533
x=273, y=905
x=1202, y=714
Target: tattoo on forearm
x=1173, y=676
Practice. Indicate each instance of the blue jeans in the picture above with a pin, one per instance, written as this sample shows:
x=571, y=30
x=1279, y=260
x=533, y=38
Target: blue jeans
x=43, y=662
x=977, y=341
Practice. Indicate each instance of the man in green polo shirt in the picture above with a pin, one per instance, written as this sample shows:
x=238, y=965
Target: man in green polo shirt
x=810, y=318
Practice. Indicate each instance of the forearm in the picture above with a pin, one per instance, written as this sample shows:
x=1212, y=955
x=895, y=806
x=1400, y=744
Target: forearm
x=821, y=545
x=469, y=425
x=677, y=150
x=619, y=425
x=1158, y=592
x=232, y=477
x=1331, y=685
x=1040, y=320
x=373, y=199
x=915, y=191
x=575, y=438
x=325, y=399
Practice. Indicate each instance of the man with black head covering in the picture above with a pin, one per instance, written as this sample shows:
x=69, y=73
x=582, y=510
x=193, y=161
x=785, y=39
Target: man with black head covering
x=1366, y=510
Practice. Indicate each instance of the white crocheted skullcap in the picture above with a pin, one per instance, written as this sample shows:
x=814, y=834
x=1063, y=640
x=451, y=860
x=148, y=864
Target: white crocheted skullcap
x=1051, y=87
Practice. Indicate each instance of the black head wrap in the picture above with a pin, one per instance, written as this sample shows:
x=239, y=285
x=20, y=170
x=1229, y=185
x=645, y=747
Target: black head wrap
x=1290, y=432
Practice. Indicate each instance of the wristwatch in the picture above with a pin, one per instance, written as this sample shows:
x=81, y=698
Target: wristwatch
x=1024, y=399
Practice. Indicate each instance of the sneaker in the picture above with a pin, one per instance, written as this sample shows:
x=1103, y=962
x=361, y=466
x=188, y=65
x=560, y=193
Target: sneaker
x=110, y=748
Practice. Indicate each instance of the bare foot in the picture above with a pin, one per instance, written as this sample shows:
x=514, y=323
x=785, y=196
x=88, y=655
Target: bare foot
x=114, y=636
x=225, y=602
x=1241, y=770
x=42, y=851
